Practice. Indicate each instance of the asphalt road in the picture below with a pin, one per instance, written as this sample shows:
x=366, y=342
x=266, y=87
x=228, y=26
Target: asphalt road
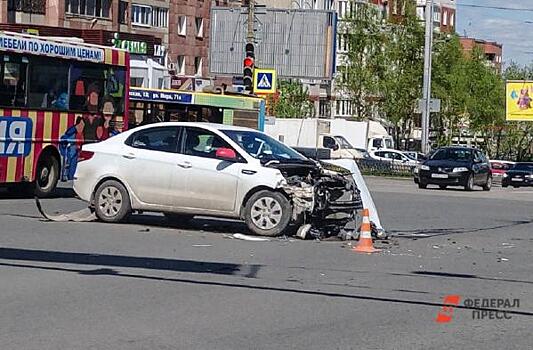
x=146, y=285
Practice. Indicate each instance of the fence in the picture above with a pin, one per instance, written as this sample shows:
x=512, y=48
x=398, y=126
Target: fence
x=380, y=168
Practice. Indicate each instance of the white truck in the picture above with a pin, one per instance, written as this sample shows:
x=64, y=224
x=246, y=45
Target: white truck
x=346, y=139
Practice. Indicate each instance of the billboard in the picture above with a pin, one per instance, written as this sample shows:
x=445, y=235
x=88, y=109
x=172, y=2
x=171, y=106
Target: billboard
x=296, y=43
x=519, y=100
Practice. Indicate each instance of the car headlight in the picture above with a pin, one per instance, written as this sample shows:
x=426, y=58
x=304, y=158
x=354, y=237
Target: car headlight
x=460, y=169
x=505, y=175
x=424, y=167
x=528, y=176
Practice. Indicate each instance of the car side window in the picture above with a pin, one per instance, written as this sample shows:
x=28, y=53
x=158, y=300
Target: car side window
x=202, y=143
x=163, y=139
x=380, y=154
x=328, y=142
x=396, y=156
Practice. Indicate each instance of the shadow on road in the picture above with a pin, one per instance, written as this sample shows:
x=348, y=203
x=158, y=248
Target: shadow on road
x=243, y=286
x=18, y=192
x=197, y=224
x=128, y=261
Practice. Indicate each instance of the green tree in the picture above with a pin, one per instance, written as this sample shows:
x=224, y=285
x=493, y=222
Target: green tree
x=361, y=32
x=293, y=101
x=401, y=83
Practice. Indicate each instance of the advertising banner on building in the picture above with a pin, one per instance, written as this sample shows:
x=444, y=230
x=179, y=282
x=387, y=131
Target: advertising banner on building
x=519, y=100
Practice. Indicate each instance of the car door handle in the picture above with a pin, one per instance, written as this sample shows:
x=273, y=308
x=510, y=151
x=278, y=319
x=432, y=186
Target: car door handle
x=129, y=156
x=185, y=165
x=248, y=172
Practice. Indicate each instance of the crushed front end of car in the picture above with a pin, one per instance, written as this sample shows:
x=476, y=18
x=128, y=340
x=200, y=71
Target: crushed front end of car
x=325, y=199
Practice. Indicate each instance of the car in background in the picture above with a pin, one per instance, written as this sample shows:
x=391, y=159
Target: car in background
x=520, y=175
x=187, y=169
x=499, y=167
x=393, y=156
x=455, y=166
x=419, y=157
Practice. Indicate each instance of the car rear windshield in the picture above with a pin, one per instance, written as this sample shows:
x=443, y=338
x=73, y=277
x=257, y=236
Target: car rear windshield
x=459, y=154
x=262, y=147
x=523, y=166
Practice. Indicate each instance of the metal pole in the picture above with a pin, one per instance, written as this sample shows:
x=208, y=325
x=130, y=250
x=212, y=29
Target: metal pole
x=427, y=76
x=250, y=37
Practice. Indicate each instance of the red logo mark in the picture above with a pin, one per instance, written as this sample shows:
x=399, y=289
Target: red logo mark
x=445, y=315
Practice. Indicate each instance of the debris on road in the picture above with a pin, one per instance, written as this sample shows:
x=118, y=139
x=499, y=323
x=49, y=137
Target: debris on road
x=84, y=215
x=250, y=238
x=502, y=259
x=202, y=245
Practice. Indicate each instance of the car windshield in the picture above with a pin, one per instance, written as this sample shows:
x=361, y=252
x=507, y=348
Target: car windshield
x=262, y=146
x=523, y=166
x=410, y=156
x=344, y=144
x=457, y=154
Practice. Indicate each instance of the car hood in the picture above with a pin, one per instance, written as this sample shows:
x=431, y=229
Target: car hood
x=446, y=163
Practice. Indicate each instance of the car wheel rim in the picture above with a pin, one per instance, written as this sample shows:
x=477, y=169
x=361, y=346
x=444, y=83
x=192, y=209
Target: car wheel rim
x=266, y=213
x=110, y=201
x=45, y=177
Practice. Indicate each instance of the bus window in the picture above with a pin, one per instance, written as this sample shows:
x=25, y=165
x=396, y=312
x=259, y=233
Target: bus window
x=13, y=81
x=48, y=84
x=94, y=88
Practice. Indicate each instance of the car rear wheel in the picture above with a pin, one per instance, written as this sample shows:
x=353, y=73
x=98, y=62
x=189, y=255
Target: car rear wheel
x=268, y=213
x=488, y=185
x=112, y=201
x=470, y=183
x=46, y=176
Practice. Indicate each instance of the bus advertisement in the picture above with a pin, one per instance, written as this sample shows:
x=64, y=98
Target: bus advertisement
x=56, y=95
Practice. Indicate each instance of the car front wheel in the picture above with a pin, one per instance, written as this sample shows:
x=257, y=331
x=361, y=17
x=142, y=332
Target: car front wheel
x=469, y=186
x=268, y=213
x=422, y=185
x=488, y=185
x=111, y=201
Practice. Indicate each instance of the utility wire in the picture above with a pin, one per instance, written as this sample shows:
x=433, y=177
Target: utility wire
x=496, y=7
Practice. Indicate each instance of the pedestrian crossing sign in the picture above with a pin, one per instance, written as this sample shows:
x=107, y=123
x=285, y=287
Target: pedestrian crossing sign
x=264, y=81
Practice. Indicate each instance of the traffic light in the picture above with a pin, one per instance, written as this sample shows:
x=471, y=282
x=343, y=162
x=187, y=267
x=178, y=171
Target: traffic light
x=248, y=67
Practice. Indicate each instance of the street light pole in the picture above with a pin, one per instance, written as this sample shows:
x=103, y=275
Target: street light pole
x=426, y=90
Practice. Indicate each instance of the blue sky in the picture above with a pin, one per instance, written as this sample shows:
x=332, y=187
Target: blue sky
x=506, y=27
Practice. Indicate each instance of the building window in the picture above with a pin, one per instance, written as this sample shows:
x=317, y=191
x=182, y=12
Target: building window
x=445, y=18
x=181, y=65
x=421, y=13
x=160, y=16
x=93, y=8
x=27, y=6
x=452, y=19
x=123, y=12
x=141, y=15
x=136, y=82
x=198, y=61
x=182, y=25
x=199, y=27
x=436, y=14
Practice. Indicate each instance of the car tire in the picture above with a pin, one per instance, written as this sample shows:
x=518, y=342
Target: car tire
x=469, y=186
x=504, y=186
x=488, y=185
x=422, y=185
x=177, y=218
x=443, y=187
x=46, y=176
x=268, y=213
x=112, y=201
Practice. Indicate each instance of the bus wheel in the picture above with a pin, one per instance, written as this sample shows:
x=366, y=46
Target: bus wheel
x=47, y=176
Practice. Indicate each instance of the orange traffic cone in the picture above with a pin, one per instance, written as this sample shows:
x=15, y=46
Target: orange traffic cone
x=365, y=244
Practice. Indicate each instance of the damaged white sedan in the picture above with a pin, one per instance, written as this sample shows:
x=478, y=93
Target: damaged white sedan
x=188, y=169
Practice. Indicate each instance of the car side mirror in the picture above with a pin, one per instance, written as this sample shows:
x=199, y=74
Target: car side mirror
x=226, y=154
x=335, y=147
